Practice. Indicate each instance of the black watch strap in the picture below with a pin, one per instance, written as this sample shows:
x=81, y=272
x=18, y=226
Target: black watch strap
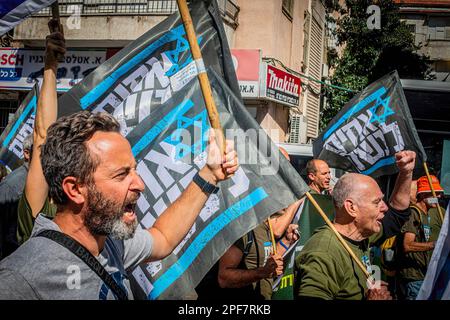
x=205, y=185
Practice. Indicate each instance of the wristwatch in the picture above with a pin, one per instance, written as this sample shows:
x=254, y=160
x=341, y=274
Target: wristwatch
x=205, y=185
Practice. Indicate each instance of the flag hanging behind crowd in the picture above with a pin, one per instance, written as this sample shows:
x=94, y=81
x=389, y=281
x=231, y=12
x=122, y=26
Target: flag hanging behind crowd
x=364, y=136
x=19, y=127
x=308, y=220
x=170, y=148
x=436, y=285
x=12, y=12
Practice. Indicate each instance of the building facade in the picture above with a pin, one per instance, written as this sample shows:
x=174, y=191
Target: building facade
x=429, y=21
x=289, y=40
x=429, y=101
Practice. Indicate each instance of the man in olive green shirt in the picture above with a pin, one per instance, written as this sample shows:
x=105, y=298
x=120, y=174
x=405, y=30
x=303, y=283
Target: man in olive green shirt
x=25, y=218
x=420, y=234
x=324, y=269
x=319, y=176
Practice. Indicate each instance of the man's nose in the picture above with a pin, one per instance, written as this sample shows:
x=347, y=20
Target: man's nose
x=384, y=207
x=137, y=183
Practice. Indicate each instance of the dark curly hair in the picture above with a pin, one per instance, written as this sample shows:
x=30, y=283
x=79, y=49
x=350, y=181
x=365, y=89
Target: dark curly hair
x=65, y=152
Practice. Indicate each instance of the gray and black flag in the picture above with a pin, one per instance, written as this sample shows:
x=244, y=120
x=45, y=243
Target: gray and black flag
x=151, y=87
x=19, y=127
x=364, y=136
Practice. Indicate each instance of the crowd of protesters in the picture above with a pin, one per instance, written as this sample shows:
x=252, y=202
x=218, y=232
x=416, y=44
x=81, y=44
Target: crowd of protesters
x=78, y=188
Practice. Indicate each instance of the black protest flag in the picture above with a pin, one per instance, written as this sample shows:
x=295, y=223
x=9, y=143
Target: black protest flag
x=151, y=88
x=13, y=12
x=364, y=136
x=170, y=148
x=162, y=56
x=19, y=127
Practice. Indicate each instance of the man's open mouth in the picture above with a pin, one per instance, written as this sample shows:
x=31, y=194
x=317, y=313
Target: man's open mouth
x=130, y=214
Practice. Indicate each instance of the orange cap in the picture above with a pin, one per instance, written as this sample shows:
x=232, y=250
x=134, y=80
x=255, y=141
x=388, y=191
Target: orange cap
x=424, y=186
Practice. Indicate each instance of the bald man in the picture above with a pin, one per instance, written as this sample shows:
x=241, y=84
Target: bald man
x=319, y=176
x=324, y=269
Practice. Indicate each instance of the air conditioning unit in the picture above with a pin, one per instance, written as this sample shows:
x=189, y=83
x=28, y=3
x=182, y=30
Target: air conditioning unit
x=297, y=133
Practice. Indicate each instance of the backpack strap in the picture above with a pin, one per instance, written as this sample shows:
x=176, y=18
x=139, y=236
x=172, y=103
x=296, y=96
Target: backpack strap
x=81, y=252
x=250, y=240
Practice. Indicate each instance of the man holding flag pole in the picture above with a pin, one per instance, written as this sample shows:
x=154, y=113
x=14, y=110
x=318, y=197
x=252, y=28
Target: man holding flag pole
x=91, y=176
x=324, y=269
x=366, y=136
x=240, y=204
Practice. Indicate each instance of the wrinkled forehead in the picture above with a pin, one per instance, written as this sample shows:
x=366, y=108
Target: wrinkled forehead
x=111, y=148
x=321, y=166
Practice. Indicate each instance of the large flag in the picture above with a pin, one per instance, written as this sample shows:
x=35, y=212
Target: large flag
x=152, y=68
x=308, y=220
x=19, y=127
x=169, y=147
x=436, y=285
x=12, y=12
x=151, y=88
x=369, y=130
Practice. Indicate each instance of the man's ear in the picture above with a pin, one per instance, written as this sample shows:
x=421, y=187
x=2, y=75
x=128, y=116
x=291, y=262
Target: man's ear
x=26, y=155
x=311, y=177
x=351, y=207
x=73, y=190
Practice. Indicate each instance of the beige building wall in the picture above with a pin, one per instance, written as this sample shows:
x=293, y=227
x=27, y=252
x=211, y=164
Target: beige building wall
x=263, y=25
x=95, y=31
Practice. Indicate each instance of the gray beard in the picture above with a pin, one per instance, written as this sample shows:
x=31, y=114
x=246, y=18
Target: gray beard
x=104, y=217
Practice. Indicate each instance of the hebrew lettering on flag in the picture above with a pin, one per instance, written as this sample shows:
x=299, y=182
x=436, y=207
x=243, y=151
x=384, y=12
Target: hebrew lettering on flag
x=152, y=89
x=146, y=73
x=364, y=136
x=19, y=127
x=170, y=147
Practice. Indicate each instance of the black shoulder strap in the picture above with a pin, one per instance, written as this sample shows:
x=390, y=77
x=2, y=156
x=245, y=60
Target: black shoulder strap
x=81, y=252
x=250, y=239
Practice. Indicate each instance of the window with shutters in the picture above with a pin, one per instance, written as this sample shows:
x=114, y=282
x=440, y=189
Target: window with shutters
x=315, y=56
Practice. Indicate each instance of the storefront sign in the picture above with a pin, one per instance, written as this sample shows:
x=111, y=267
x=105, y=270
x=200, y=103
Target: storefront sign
x=19, y=68
x=247, y=66
x=281, y=86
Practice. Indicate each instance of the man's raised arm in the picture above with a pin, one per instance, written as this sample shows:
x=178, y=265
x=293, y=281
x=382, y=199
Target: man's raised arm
x=173, y=225
x=36, y=188
x=400, y=197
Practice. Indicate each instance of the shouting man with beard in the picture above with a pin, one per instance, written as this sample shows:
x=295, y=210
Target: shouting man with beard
x=92, y=178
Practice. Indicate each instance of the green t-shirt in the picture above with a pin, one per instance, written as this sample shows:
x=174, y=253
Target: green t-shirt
x=257, y=256
x=413, y=265
x=325, y=270
x=25, y=220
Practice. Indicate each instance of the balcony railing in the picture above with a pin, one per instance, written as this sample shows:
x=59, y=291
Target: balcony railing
x=228, y=9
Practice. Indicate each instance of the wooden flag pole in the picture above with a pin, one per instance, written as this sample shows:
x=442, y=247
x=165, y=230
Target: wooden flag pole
x=274, y=245
x=55, y=16
x=349, y=250
x=432, y=190
x=202, y=76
